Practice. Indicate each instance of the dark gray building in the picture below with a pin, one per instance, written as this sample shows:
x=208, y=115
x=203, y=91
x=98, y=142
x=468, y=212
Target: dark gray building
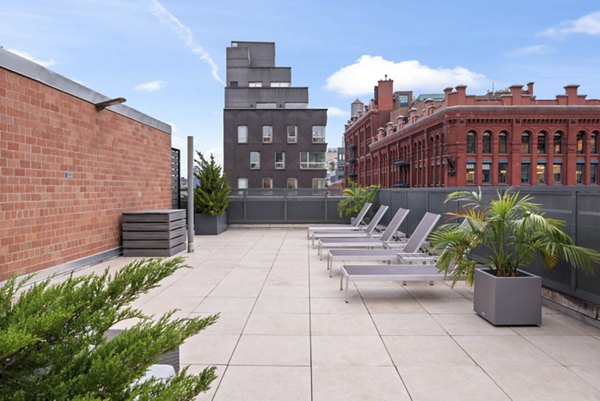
x=271, y=138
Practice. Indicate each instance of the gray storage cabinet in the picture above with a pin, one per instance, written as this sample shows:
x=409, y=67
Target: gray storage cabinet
x=154, y=232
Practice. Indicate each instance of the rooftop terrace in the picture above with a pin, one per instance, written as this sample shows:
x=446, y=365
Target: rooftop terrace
x=285, y=332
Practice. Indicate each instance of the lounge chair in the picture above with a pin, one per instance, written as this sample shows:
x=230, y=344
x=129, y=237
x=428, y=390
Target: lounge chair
x=410, y=249
x=355, y=225
x=369, y=231
x=381, y=242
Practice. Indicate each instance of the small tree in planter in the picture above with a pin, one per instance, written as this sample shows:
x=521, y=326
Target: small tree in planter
x=355, y=198
x=505, y=236
x=54, y=344
x=211, y=197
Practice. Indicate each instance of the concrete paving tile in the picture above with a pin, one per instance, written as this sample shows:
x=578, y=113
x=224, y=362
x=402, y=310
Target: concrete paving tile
x=272, y=350
x=228, y=323
x=237, y=291
x=504, y=352
x=407, y=324
x=543, y=383
x=552, y=325
x=570, y=350
x=423, y=351
x=281, y=305
x=285, y=324
x=337, y=306
x=591, y=374
x=381, y=383
x=208, y=349
x=349, y=351
x=403, y=304
x=265, y=383
x=469, y=383
x=226, y=305
x=342, y=325
x=284, y=291
x=469, y=324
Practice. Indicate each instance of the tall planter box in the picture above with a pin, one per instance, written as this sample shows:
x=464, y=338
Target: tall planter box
x=508, y=301
x=205, y=224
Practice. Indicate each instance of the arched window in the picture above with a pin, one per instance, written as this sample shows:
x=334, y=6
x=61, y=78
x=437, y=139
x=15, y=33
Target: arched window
x=580, y=142
x=471, y=143
x=503, y=143
x=487, y=142
x=557, y=143
x=594, y=142
x=541, y=143
x=525, y=142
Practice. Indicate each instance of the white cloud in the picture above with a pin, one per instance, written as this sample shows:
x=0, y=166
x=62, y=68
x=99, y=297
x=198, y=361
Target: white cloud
x=43, y=63
x=337, y=112
x=359, y=78
x=185, y=34
x=588, y=25
x=535, y=50
x=150, y=86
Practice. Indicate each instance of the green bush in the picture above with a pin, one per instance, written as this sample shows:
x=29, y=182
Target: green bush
x=355, y=198
x=53, y=345
x=212, y=196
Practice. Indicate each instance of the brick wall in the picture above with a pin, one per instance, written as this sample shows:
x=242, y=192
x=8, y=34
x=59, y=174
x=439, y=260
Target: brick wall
x=117, y=164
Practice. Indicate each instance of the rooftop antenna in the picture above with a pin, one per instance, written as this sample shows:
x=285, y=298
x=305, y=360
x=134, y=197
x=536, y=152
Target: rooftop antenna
x=492, y=86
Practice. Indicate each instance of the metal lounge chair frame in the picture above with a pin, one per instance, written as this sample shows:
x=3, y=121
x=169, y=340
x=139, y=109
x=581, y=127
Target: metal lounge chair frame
x=355, y=225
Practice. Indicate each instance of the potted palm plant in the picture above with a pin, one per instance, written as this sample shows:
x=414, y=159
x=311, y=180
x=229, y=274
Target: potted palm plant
x=211, y=198
x=355, y=198
x=500, y=239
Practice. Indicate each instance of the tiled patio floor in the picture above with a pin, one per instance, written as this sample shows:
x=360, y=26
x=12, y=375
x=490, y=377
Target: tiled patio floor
x=286, y=334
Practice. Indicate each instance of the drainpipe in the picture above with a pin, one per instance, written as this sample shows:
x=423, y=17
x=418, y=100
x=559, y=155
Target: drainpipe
x=190, y=194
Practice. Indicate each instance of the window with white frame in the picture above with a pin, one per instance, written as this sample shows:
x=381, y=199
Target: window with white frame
x=267, y=183
x=292, y=183
x=262, y=105
x=242, y=183
x=318, y=183
x=242, y=133
x=318, y=134
x=280, y=84
x=267, y=134
x=292, y=134
x=312, y=160
x=279, y=160
x=256, y=84
x=254, y=160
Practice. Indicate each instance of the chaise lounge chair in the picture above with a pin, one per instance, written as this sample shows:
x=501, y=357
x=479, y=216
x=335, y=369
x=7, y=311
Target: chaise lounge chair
x=355, y=225
x=369, y=231
x=410, y=251
x=381, y=242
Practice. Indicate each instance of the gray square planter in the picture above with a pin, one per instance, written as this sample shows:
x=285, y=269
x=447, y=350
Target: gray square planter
x=205, y=224
x=508, y=301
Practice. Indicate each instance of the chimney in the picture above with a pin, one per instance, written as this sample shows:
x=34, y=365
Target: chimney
x=530, y=88
x=385, y=94
x=461, y=93
x=516, y=92
x=571, y=92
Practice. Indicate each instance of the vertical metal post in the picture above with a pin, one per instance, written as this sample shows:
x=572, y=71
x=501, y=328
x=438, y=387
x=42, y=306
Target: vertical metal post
x=190, y=193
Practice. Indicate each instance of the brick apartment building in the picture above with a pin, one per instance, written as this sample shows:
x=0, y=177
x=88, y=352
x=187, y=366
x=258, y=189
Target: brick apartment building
x=69, y=170
x=454, y=139
x=271, y=138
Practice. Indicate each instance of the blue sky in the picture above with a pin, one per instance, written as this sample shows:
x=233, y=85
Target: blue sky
x=167, y=57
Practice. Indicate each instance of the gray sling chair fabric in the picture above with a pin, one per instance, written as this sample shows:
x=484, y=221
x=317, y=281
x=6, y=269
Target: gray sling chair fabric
x=355, y=225
x=410, y=249
x=369, y=231
x=381, y=242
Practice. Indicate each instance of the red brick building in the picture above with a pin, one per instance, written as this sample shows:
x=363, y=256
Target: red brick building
x=509, y=138
x=68, y=171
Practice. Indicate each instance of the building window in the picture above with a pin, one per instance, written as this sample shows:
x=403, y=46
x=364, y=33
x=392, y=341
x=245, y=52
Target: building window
x=594, y=173
x=318, y=134
x=540, y=173
x=470, y=173
x=486, y=173
x=403, y=100
x=296, y=105
x=541, y=143
x=242, y=134
x=292, y=134
x=292, y=183
x=264, y=105
x=267, y=134
x=580, y=142
x=318, y=183
x=242, y=183
x=471, y=143
x=557, y=143
x=487, y=142
x=557, y=173
x=579, y=173
x=594, y=142
x=525, y=143
x=255, y=84
x=502, y=172
x=279, y=160
x=525, y=173
x=312, y=160
x=254, y=160
x=503, y=143
x=280, y=84
x=267, y=183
